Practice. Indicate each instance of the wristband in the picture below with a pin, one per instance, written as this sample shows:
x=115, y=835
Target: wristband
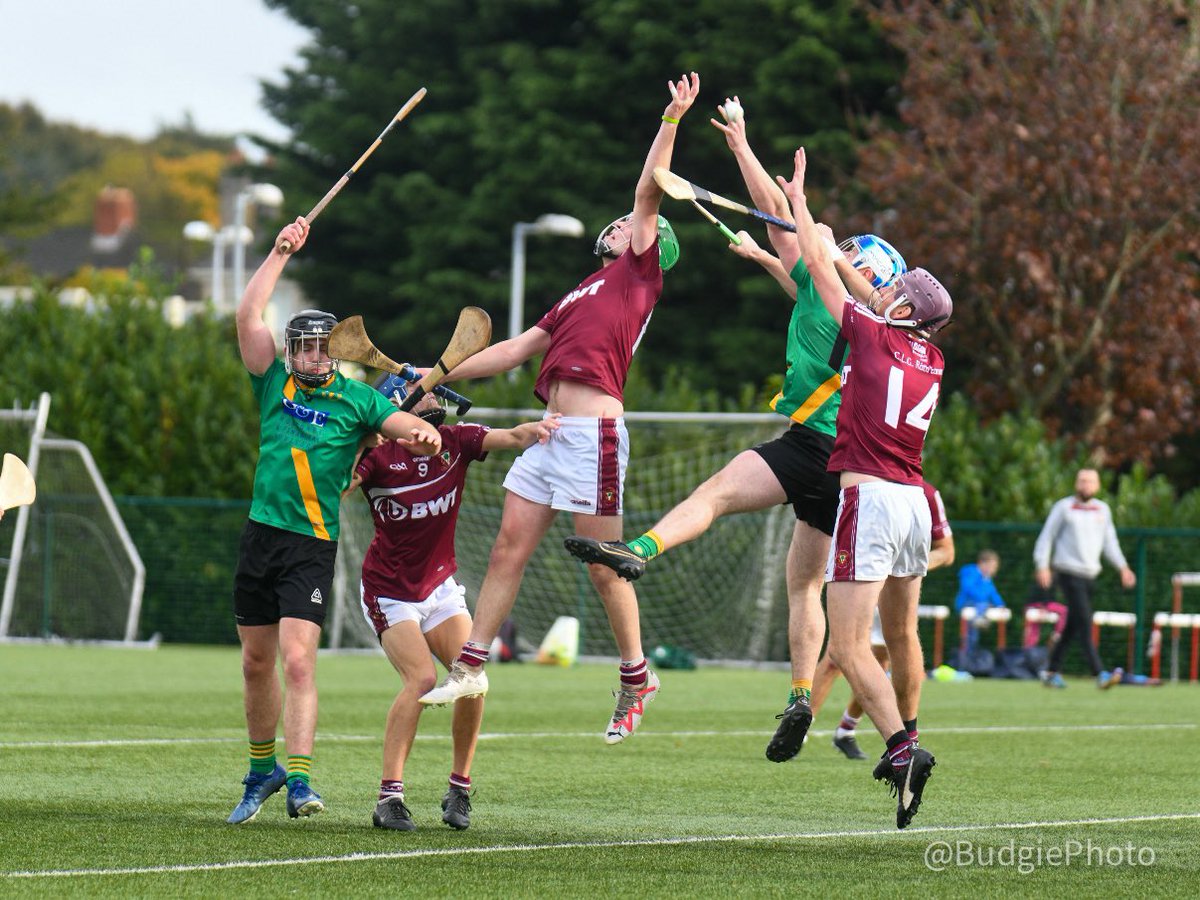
x=669, y=120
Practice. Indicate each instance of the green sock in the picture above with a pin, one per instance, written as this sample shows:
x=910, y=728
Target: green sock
x=298, y=768
x=262, y=757
x=648, y=546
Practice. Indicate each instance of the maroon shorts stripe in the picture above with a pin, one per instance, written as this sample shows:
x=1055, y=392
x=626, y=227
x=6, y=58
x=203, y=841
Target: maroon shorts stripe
x=846, y=535
x=375, y=613
x=608, y=484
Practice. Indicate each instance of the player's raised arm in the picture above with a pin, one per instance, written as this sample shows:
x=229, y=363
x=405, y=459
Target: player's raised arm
x=647, y=196
x=813, y=249
x=763, y=191
x=501, y=356
x=255, y=340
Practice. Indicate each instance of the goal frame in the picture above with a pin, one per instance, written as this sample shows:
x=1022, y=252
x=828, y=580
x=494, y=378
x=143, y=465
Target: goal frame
x=39, y=415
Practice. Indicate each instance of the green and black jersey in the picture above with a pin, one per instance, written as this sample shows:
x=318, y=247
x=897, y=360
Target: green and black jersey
x=307, y=445
x=816, y=352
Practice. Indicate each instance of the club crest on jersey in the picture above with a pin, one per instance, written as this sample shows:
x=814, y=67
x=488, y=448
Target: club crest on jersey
x=842, y=558
x=304, y=413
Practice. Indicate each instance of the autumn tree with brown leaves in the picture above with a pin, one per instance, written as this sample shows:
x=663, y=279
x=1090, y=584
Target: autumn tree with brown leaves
x=1047, y=172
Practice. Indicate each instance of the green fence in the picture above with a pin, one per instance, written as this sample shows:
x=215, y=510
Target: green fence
x=189, y=548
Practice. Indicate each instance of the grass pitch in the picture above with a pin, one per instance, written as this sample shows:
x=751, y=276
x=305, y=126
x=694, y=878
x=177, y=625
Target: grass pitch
x=119, y=767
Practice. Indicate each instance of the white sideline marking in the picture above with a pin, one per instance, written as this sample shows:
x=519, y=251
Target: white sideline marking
x=521, y=735
x=579, y=845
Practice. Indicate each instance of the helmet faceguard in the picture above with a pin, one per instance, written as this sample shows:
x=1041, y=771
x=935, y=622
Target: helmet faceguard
x=303, y=337
x=869, y=251
x=609, y=246
x=930, y=302
x=430, y=407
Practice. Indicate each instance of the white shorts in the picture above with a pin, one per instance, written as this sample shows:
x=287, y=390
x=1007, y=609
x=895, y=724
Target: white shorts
x=449, y=599
x=883, y=528
x=580, y=469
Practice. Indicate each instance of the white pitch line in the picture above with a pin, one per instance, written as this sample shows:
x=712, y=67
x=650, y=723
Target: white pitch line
x=541, y=735
x=589, y=845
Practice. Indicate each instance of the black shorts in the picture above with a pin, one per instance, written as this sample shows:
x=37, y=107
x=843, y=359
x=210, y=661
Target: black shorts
x=282, y=574
x=799, y=459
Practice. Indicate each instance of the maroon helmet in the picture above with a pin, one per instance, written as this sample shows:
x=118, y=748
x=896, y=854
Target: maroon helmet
x=930, y=302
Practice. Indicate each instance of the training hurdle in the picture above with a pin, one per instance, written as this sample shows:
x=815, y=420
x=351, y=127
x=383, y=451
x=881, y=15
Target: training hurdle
x=1000, y=615
x=1127, y=620
x=1176, y=622
x=1037, y=615
x=939, y=615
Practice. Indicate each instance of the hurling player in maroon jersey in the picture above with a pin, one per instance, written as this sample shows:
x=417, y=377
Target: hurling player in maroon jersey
x=409, y=595
x=908, y=696
x=587, y=340
x=881, y=540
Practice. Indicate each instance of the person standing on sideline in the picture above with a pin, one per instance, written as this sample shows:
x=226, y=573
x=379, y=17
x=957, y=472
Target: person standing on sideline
x=409, y=595
x=790, y=469
x=312, y=421
x=880, y=547
x=1067, y=554
x=977, y=591
x=588, y=338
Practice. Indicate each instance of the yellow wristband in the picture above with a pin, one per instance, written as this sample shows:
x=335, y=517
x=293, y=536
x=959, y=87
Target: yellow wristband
x=668, y=119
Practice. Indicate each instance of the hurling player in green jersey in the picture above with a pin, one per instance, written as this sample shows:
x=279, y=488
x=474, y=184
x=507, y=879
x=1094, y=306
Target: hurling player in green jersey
x=793, y=467
x=312, y=419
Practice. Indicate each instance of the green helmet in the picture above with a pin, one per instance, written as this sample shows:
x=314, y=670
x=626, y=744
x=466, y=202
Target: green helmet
x=668, y=244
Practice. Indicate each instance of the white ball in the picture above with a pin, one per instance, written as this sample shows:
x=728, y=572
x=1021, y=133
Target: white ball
x=733, y=111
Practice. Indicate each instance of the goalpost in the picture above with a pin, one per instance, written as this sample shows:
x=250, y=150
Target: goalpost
x=72, y=572
x=723, y=596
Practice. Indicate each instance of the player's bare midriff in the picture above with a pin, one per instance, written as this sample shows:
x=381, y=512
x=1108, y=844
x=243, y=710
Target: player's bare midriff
x=849, y=479
x=573, y=398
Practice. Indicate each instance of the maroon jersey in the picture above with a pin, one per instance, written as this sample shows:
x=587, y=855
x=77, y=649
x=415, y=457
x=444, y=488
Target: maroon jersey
x=595, y=329
x=415, y=502
x=890, y=388
x=937, y=512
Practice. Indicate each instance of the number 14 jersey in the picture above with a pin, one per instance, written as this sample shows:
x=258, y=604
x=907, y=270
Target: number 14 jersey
x=890, y=388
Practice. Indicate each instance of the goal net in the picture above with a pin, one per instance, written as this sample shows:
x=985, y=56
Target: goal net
x=722, y=596
x=69, y=569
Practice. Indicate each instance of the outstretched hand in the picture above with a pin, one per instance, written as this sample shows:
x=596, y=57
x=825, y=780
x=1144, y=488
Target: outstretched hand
x=795, y=188
x=683, y=94
x=547, y=427
x=735, y=131
x=422, y=442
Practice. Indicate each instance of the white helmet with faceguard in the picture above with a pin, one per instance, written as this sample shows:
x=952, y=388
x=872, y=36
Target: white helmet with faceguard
x=303, y=335
x=869, y=251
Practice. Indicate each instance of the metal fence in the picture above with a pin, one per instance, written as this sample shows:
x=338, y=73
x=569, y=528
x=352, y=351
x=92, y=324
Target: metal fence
x=190, y=549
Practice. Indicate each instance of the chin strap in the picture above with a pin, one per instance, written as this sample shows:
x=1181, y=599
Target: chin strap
x=435, y=417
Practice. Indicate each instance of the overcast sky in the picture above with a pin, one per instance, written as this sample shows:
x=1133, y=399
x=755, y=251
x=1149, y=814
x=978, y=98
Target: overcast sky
x=129, y=66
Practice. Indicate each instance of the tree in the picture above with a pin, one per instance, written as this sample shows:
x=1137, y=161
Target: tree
x=165, y=411
x=535, y=107
x=1046, y=171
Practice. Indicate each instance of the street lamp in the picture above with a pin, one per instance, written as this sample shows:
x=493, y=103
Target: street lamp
x=220, y=239
x=263, y=195
x=550, y=223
